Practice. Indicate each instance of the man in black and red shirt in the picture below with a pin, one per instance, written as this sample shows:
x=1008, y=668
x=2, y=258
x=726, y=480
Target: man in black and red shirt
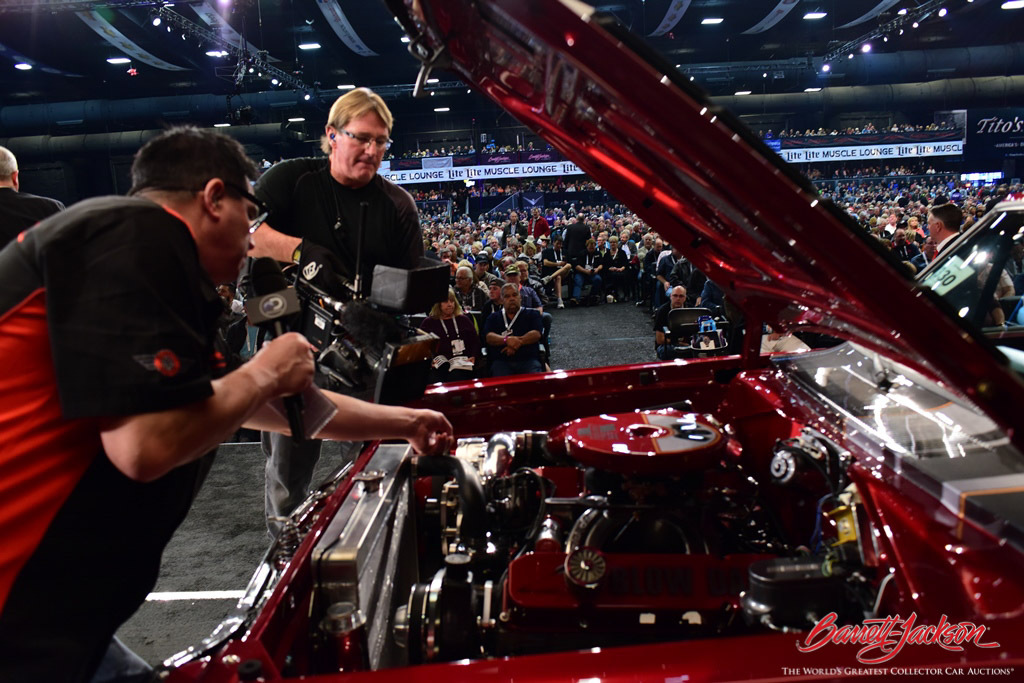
x=113, y=395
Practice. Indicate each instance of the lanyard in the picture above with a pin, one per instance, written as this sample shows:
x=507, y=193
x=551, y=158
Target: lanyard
x=508, y=325
x=454, y=325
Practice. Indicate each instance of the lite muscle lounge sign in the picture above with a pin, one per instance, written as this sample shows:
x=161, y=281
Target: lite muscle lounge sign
x=488, y=172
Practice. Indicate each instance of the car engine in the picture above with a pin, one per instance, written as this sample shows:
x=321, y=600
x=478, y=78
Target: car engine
x=608, y=530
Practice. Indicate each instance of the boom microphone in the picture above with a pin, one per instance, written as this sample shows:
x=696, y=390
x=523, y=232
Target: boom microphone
x=275, y=302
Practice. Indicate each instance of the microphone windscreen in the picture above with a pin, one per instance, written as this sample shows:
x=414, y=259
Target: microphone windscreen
x=266, y=276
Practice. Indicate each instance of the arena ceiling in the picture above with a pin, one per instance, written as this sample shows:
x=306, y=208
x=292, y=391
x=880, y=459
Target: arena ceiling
x=61, y=50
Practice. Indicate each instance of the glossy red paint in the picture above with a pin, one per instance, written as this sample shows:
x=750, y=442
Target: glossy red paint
x=739, y=213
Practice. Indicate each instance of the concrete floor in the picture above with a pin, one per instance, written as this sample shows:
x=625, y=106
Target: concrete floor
x=220, y=543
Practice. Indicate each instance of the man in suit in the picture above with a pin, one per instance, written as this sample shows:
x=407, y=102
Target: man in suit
x=19, y=210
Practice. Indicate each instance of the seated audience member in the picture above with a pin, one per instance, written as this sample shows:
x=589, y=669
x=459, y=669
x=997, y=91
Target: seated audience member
x=528, y=297
x=926, y=255
x=471, y=297
x=513, y=335
x=493, y=304
x=781, y=342
x=483, y=269
x=616, y=263
x=677, y=299
x=459, y=343
x=903, y=246
x=554, y=266
x=588, y=269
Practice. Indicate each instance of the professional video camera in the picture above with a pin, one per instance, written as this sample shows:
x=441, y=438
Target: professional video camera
x=366, y=342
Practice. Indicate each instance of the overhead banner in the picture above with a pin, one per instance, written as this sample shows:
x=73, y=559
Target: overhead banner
x=437, y=162
x=871, y=13
x=810, y=155
x=675, y=12
x=447, y=175
x=339, y=22
x=778, y=14
x=994, y=134
x=110, y=34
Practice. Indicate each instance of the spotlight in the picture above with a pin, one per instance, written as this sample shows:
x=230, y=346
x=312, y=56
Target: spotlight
x=849, y=56
x=826, y=67
x=915, y=24
x=943, y=12
x=764, y=75
x=23, y=66
x=156, y=21
x=885, y=39
x=306, y=97
x=274, y=81
x=865, y=48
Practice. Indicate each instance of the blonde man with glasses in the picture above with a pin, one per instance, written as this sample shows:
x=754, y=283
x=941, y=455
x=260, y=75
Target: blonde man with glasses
x=315, y=209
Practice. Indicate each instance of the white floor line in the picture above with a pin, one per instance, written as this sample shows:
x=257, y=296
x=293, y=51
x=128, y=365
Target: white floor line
x=168, y=596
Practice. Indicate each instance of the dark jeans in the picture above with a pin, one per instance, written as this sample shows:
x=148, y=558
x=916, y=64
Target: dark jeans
x=579, y=279
x=503, y=366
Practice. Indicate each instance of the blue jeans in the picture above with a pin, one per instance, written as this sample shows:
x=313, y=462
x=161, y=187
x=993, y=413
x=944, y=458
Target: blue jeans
x=577, y=284
x=503, y=366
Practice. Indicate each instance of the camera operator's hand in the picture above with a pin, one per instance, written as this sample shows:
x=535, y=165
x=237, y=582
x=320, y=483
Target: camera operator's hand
x=322, y=268
x=432, y=433
x=284, y=365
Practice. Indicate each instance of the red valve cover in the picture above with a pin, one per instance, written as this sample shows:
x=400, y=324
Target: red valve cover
x=648, y=442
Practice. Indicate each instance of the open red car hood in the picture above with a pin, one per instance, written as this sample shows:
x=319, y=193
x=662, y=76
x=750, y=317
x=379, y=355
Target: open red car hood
x=701, y=179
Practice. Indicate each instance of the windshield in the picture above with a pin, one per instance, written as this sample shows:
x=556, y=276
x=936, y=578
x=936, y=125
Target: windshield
x=972, y=277
x=898, y=408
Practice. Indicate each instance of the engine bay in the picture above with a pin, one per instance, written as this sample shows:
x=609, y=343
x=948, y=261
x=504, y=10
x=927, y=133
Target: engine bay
x=615, y=529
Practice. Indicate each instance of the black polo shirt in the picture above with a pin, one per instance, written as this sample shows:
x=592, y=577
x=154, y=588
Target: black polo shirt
x=305, y=201
x=21, y=210
x=104, y=311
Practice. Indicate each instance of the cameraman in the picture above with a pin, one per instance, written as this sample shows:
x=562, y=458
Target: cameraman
x=316, y=206
x=116, y=394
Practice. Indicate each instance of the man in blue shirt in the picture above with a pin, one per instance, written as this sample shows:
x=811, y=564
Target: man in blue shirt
x=512, y=335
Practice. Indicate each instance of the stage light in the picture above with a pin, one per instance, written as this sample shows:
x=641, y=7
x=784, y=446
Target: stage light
x=740, y=93
x=346, y=86
x=943, y=12
x=297, y=119
x=865, y=48
x=156, y=21
x=22, y=66
x=826, y=67
x=442, y=109
x=309, y=46
x=711, y=21
x=274, y=81
x=222, y=125
x=815, y=89
x=306, y=97
x=815, y=15
x=118, y=60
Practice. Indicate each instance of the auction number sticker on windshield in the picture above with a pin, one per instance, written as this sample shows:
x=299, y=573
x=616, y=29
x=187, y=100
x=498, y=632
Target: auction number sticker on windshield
x=951, y=274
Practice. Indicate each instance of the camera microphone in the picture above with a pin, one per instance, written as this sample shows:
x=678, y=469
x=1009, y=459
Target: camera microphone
x=271, y=308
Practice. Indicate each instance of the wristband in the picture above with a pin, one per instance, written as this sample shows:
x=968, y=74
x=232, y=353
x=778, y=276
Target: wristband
x=505, y=340
x=297, y=254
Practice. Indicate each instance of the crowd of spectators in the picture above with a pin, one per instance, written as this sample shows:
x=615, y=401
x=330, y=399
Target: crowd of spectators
x=892, y=204
x=456, y=150
x=866, y=129
x=840, y=171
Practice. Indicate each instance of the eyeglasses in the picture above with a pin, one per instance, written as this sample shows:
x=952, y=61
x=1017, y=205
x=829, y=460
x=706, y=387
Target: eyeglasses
x=255, y=220
x=261, y=209
x=382, y=143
